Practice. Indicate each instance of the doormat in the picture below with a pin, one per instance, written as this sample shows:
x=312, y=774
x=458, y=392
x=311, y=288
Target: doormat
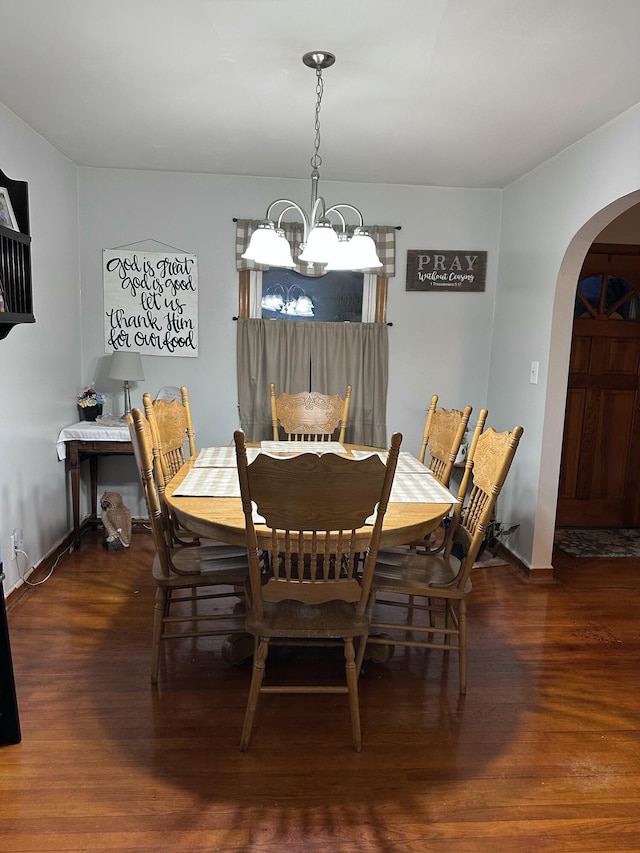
x=598, y=541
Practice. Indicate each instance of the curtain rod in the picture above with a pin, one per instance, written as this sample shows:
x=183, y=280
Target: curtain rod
x=346, y=321
x=397, y=227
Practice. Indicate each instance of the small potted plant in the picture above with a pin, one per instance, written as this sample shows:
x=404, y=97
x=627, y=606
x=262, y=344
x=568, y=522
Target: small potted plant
x=90, y=404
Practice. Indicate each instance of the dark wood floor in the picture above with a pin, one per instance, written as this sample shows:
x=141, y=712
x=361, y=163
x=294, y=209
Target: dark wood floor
x=542, y=755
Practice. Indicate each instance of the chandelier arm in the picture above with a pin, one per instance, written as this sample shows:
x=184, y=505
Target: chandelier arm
x=318, y=211
x=343, y=221
x=290, y=205
x=335, y=209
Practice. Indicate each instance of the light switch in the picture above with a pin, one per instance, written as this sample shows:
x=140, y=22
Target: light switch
x=533, y=373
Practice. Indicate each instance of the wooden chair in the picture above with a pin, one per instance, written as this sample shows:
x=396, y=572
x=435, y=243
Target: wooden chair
x=171, y=431
x=220, y=571
x=314, y=593
x=172, y=428
x=443, y=434
x=309, y=416
x=443, y=583
x=444, y=431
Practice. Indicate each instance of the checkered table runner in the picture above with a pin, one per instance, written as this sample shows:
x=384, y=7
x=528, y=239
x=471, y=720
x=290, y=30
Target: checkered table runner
x=223, y=483
x=419, y=489
x=210, y=483
x=407, y=462
x=302, y=447
x=221, y=457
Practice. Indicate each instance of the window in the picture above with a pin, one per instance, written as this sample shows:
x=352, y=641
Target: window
x=340, y=296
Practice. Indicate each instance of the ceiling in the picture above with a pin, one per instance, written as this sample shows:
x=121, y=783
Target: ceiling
x=470, y=93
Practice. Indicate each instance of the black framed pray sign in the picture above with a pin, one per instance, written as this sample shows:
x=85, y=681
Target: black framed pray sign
x=437, y=269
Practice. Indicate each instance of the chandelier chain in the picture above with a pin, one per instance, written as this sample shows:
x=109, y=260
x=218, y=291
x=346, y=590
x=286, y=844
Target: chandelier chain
x=316, y=160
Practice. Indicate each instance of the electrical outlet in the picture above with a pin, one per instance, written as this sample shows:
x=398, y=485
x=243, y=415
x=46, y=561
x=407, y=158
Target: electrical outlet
x=16, y=541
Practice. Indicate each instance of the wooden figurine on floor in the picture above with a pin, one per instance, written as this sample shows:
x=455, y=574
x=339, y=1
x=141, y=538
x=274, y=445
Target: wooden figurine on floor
x=117, y=521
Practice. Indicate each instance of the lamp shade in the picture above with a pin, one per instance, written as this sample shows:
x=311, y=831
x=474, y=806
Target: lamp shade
x=363, y=251
x=269, y=246
x=322, y=242
x=341, y=259
x=126, y=365
x=283, y=257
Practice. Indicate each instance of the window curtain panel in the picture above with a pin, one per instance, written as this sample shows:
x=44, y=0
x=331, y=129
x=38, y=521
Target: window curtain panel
x=324, y=357
x=269, y=351
x=384, y=236
x=355, y=354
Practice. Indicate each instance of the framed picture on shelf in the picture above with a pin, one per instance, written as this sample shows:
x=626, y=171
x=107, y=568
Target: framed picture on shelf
x=7, y=216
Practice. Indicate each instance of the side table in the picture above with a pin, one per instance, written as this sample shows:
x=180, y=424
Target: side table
x=90, y=440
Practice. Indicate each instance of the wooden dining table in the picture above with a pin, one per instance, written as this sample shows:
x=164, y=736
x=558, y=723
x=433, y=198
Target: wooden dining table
x=222, y=518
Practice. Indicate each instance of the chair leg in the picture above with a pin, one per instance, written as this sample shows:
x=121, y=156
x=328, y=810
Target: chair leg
x=352, y=685
x=462, y=640
x=159, y=613
x=259, y=658
x=410, y=603
x=448, y=620
x=362, y=648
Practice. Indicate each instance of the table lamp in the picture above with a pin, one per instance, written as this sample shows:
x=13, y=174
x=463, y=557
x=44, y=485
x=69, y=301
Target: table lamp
x=128, y=367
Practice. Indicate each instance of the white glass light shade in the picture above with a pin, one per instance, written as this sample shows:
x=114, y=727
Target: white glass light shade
x=342, y=257
x=363, y=251
x=284, y=257
x=269, y=246
x=321, y=244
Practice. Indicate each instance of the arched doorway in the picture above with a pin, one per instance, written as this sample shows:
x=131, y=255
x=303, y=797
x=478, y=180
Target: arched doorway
x=600, y=467
x=557, y=383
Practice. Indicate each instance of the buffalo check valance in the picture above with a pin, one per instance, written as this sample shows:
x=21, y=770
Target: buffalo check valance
x=384, y=236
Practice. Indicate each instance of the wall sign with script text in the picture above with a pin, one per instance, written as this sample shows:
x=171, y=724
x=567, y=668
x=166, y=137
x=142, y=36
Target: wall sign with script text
x=435, y=269
x=150, y=302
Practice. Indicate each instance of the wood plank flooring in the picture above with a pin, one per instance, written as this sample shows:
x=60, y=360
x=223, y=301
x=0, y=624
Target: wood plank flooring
x=543, y=753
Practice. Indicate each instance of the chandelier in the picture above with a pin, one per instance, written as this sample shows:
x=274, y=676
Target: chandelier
x=322, y=244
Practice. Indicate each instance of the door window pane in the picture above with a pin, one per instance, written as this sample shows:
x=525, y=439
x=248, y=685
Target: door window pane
x=618, y=298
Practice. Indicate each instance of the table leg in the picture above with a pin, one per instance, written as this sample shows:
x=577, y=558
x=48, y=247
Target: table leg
x=73, y=462
x=93, y=473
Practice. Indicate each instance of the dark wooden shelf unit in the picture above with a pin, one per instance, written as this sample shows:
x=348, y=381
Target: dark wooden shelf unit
x=15, y=260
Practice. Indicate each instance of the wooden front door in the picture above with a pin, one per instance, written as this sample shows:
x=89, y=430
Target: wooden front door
x=600, y=471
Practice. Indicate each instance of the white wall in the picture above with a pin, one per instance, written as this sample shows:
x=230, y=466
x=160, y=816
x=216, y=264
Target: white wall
x=40, y=365
x=439, y=342
x=550, y=218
